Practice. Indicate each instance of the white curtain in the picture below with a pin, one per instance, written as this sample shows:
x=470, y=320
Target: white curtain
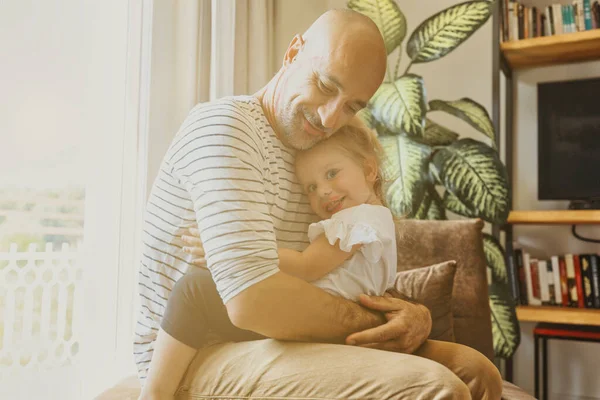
x=203, y=50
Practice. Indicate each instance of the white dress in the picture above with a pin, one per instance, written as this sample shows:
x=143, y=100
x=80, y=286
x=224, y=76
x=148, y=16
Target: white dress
x=372, y=269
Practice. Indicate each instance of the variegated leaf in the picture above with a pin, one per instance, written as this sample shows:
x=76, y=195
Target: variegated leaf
x=403, y=169
x=436, y=208
x=388, y=18
x=443, y=32
x=423, y=208
x=506, y=333
x=400, y=106
x=472, y=171
x=494, y=256
x=469, y=111
x=453, y=204
x=436, y=135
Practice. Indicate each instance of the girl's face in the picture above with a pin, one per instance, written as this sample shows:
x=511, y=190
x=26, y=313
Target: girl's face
x=333, y=180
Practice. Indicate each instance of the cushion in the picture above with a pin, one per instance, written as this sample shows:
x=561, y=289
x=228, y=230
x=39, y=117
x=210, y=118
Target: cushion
x=432, y=286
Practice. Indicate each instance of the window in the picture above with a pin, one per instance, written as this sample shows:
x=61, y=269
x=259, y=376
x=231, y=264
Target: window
x=72, y=199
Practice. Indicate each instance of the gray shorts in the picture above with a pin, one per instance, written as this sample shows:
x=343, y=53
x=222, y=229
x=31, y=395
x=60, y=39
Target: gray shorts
x=195, y=309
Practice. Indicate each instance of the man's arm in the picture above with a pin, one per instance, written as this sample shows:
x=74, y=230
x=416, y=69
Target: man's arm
x=317, y=260
x=285, y=307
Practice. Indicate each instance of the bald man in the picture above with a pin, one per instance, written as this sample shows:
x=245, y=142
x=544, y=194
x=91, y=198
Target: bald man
x=229, y=170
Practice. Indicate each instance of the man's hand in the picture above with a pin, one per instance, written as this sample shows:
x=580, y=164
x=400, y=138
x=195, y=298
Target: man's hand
x=408, y=326
x=194, y=246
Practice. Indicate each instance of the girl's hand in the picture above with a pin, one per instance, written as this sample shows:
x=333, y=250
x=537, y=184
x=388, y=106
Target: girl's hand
x=194, y=247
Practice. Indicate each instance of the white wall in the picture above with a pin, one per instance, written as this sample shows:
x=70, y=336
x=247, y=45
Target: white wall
x=467, y=72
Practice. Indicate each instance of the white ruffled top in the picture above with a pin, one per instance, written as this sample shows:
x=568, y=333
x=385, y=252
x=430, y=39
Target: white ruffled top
x=372, y=269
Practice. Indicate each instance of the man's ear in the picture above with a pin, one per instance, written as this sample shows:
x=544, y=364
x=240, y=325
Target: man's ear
x=293, y=49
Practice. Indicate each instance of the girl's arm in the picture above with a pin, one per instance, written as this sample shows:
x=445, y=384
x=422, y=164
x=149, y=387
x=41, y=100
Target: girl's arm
x=317, y=260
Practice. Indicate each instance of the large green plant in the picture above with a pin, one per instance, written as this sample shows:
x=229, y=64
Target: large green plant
x=430, y=168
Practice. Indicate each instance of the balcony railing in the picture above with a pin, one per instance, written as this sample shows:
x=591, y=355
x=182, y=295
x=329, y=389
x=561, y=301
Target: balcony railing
x=41, y=307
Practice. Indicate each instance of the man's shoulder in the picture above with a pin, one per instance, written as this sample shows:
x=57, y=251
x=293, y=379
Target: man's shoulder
x=231, y=110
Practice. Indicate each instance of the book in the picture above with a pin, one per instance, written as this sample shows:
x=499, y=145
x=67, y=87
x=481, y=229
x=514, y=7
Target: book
x=587, y=14
x=521, y=275
x=511, y=272
x=564, y=287
x=550, y=12
x=571, y=283
x=595, y=265
x=556, y=273
x=542, y=267
x=558, y=20
x=586, y=278
x=520, y=16
x=531, y=300
x=551, y=283
x=578, y=281
x=535, y=282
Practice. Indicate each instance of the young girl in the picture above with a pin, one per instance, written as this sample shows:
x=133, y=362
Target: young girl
x=352, y=249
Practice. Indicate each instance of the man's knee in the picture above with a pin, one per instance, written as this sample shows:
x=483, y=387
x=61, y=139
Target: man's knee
x=428, y=381
x=484, y=381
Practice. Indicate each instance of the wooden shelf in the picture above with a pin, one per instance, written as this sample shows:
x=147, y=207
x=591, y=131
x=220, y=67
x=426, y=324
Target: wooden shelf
x=558, y=217
x=559, y=315
x=553, y=50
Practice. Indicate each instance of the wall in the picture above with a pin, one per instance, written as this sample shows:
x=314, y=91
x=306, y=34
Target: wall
x=467, y=72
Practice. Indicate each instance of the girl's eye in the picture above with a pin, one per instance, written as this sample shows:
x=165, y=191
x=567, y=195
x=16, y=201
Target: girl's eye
x=332, y=173
x=311, y=188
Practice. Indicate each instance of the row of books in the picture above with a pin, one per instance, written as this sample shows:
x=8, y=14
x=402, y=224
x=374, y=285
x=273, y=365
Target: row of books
x=569, y=280
x=522, y=22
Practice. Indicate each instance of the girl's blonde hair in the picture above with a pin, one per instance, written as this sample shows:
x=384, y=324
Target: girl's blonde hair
x=362, y=145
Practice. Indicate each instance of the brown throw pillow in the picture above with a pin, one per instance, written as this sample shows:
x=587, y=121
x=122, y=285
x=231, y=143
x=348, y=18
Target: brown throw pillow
x=432, y=287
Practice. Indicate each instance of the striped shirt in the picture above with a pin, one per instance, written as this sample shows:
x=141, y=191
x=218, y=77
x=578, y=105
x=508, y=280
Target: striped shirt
x=227, y=172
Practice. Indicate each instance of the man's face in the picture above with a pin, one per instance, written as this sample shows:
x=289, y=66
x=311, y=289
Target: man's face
x=320, y=92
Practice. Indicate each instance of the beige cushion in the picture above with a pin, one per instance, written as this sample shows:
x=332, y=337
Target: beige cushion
x=432, y=286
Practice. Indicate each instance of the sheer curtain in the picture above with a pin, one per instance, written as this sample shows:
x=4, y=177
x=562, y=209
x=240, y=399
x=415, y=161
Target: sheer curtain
x=203, y=50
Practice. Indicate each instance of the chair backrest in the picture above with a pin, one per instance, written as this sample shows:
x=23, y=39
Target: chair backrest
x=423, y=243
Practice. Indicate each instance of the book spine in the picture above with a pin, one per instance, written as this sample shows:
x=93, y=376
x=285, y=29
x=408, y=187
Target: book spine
x=534, y=22
x=595, y=264
x=521, y=275
x=580, y=18
x=558, y=23
x=556, y=273
x=578, y=281
x=543, y=279
x=587, y=14
x=527, y=265
x=551, y=283
x=520, y=15
x=505, y=21
x=511, y=272
x=571, y=284
x=564, y=286
x=596, y=15
x=550, y=21
x=535, y=282
x=586, y=277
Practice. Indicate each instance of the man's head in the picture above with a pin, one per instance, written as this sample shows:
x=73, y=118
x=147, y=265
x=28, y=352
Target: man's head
x=328, y=74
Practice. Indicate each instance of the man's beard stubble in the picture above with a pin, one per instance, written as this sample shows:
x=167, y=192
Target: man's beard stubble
x=293, y=128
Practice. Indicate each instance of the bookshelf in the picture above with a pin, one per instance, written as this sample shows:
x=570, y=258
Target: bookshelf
x=552, y=50
x=554, y=217
x=555, y=314
x=508, y=59
x=559, y=315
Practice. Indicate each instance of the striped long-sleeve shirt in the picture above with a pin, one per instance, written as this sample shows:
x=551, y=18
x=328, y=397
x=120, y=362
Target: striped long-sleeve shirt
x=227, y=172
